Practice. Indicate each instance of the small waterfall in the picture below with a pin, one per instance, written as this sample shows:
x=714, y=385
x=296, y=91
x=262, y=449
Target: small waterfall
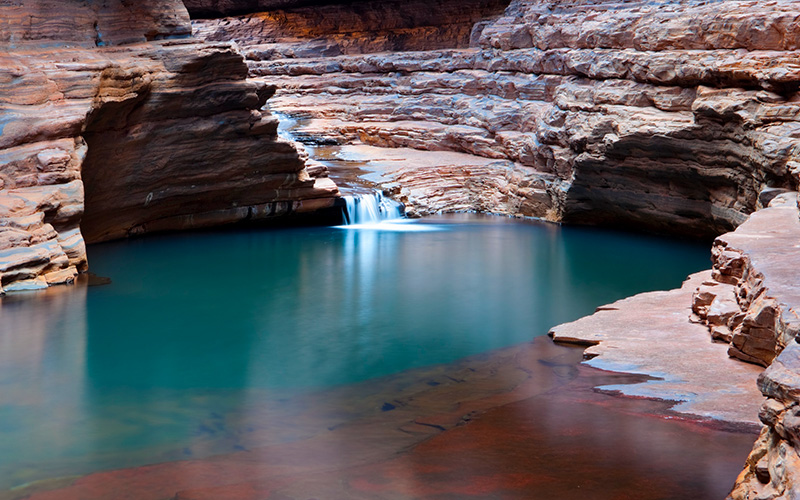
x=370, y=208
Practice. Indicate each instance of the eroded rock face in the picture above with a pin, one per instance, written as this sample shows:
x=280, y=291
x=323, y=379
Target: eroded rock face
x=772, y=470
x=751, y=299
x=110, y=103
x=39, y=23
x=750, y=302
x=217, y=8
x=670, y=116
x=334, y=28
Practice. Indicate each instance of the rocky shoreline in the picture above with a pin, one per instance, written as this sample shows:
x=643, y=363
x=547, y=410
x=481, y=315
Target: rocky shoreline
x=743, y=308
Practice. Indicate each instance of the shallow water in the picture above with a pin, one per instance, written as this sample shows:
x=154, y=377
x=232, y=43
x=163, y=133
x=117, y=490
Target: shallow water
x=197, y=333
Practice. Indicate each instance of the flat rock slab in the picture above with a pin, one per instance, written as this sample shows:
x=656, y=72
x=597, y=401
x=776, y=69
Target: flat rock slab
x=770, y=239
x=651, y=334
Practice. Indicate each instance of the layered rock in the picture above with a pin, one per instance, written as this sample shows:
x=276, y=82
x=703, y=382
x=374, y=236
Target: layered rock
x=670, y=116
x=752, y=299
x=332, y=28
x=772, y=470
x=109, y=102
x=751, y=302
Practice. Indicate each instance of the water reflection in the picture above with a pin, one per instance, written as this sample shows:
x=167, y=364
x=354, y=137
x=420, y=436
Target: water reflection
x=42, y=375
x=208, y=342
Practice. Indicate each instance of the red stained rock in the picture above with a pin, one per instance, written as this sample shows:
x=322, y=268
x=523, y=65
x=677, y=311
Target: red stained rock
x=523, y=422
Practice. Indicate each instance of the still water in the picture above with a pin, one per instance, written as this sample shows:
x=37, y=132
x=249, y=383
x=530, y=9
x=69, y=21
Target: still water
x=196, y=327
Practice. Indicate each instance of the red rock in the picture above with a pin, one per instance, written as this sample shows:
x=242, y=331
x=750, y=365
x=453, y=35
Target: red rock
x=155, y=134
x=670, y=117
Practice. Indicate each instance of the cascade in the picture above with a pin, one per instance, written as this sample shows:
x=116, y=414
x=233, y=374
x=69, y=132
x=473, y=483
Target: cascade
x=370, y=208
x=364, y=206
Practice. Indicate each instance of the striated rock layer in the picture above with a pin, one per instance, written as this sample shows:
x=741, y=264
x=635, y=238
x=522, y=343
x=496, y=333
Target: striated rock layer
x=673, y=116
x=670, y=116
x=109, y=106
x=752, y=300
x=751, y=303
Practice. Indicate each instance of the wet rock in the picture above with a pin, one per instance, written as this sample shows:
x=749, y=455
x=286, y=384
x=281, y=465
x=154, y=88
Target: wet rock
x=639, y=335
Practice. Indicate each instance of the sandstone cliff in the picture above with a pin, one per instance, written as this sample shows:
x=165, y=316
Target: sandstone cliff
x=670, y=116
x=674, y=116
x=112, y=104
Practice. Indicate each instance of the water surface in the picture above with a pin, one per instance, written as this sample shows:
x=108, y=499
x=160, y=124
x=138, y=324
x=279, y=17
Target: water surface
x=196, y=330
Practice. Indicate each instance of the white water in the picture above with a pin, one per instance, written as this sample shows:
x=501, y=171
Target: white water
x=366, y=208
x=373, y=210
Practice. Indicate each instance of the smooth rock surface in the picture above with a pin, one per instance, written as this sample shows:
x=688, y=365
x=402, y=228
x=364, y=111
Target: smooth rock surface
x=651, y=334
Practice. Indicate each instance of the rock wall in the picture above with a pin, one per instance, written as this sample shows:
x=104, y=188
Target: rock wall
x=217, y=8
x=670, y=116
x=673, y=116
x=751, y=302
x=109, y=103
x=356, y=27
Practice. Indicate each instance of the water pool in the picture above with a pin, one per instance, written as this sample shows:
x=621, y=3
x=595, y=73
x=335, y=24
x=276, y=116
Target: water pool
x=195, y=328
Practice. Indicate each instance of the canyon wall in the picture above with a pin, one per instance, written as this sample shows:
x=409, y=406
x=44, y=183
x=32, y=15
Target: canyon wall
x=114, y=122
x=669, y=116
x=672, y=116
x=678, y=117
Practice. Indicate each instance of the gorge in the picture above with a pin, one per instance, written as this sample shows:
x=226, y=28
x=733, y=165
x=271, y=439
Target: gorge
x=123, y=118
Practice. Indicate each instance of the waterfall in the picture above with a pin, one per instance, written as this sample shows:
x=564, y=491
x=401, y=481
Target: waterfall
x=370, y=208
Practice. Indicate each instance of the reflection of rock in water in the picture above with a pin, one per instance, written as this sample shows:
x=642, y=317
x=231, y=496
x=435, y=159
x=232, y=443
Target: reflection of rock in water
x=43, y=339
x=95, y=280
x=489, y=425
